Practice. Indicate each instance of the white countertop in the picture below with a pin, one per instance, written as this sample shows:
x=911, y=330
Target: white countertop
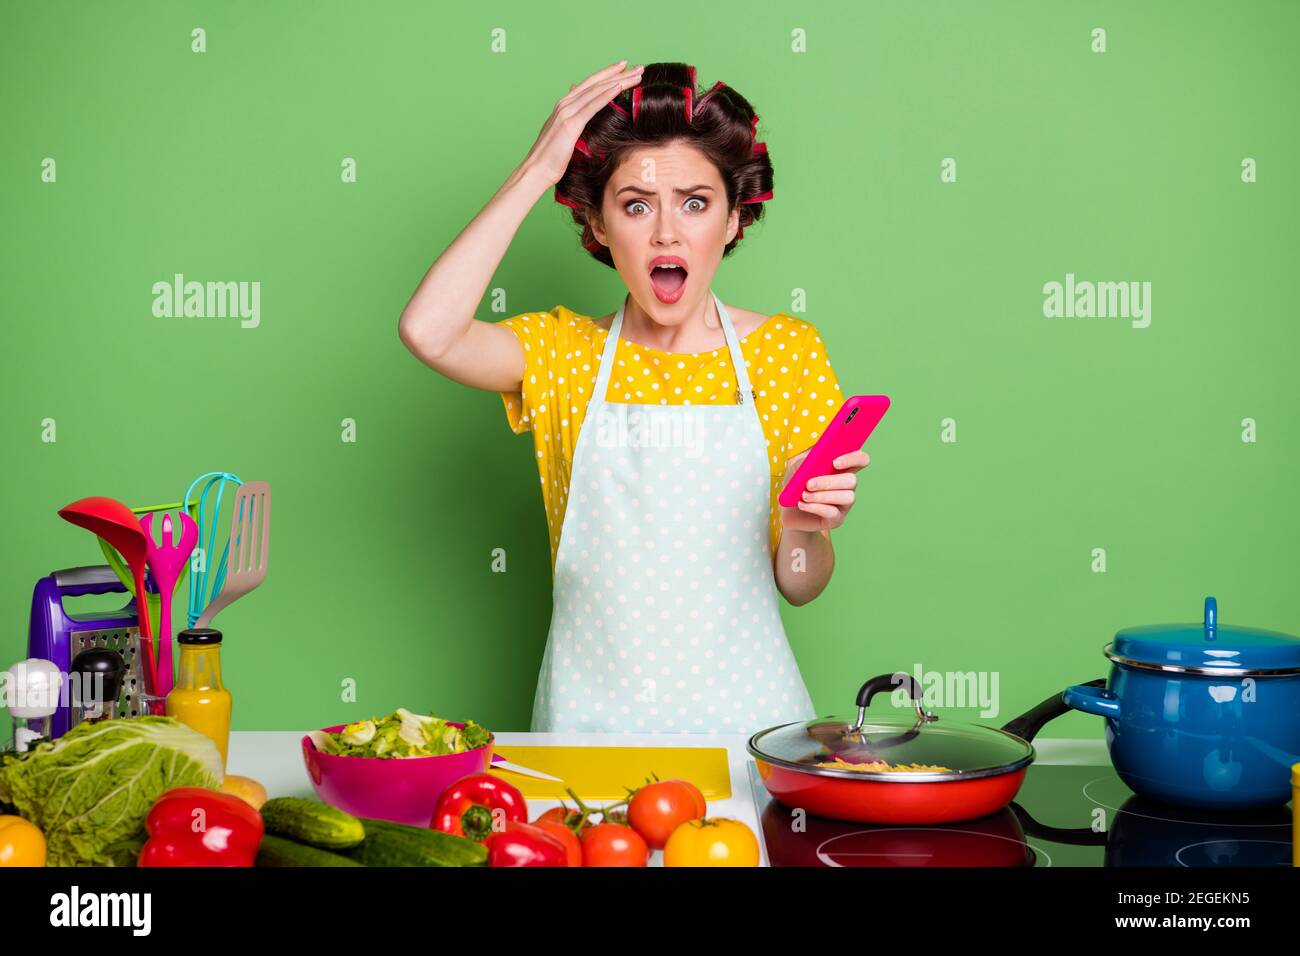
x=274, y=759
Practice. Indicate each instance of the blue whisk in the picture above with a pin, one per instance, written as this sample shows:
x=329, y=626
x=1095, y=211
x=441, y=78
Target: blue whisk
x=200, y=595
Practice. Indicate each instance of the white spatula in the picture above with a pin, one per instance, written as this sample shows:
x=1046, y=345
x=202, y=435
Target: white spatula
x=250, y=545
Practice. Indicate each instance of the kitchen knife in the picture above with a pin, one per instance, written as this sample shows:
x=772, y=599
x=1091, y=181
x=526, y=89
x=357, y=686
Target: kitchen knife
x=501, y=763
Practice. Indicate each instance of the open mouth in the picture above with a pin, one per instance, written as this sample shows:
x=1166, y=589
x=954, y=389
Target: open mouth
x=669, y=282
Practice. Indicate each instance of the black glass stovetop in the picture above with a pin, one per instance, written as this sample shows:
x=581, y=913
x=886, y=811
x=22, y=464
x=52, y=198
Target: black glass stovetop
x=1063, y=816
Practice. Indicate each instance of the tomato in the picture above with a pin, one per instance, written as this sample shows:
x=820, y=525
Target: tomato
x=657, y=809
x=701, y=807
x=21, y=842
x=716, y=842
x=557, y=829
x=613, y=844
x=576, y=820
x=561, y=815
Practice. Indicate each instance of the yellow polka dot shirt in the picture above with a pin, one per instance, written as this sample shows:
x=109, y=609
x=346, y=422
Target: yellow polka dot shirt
x=796, y=390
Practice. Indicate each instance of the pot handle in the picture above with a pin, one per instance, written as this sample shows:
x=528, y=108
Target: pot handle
x=886, y=683
x=1027, y=725
x=1092, y=699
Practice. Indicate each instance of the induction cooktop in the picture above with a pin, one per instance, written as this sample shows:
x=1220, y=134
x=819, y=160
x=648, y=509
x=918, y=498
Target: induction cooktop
x=1064, y=815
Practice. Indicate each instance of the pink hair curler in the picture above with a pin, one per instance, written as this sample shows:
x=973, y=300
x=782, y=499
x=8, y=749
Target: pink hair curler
x=561, y=198
x=707, y=96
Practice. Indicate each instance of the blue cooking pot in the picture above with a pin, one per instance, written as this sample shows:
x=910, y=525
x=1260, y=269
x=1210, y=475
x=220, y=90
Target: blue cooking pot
x=1201, y=715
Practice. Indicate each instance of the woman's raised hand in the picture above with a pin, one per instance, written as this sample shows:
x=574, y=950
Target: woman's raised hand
x=827, y=499
x=551, y=153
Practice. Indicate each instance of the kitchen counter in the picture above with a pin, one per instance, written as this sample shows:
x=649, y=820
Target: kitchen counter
x=274, y=758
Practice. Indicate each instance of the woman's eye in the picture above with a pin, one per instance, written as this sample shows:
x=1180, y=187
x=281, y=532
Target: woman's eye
x=631, y=207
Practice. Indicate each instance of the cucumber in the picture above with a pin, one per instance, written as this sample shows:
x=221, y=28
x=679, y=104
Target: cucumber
x=313, y=822
x=395, y=844
x=278, y=851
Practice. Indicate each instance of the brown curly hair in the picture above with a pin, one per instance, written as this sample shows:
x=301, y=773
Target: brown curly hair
x=662, y=108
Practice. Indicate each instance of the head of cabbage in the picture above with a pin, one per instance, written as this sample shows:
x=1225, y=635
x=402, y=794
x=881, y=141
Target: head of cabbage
x=90, y=790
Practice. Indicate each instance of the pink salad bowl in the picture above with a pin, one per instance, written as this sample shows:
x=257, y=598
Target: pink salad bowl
x=401, y=789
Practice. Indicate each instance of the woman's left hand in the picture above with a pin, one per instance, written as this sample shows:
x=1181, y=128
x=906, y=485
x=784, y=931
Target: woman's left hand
x=828, y=498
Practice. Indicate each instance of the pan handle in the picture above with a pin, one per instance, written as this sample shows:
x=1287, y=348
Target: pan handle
x=886, y=683
x=1027, y=725
x=1072, y=836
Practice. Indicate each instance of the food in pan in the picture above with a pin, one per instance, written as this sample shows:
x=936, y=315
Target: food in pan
x=881, y=766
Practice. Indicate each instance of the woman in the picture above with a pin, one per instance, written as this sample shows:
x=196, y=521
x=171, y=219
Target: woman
x=664, y=431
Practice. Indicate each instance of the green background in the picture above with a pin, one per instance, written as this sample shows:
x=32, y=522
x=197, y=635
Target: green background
x=1073, y=434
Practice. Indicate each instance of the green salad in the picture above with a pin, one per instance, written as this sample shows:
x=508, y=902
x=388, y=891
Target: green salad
x=403, y=734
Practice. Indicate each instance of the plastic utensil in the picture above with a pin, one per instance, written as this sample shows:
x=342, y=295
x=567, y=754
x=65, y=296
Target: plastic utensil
x=167, y=562
x=115, y=560
x=200, y=593
x=114, y=522
x=124, y=574
x=249, y=544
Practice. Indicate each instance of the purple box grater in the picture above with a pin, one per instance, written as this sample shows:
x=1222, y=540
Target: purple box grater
x=58, y=636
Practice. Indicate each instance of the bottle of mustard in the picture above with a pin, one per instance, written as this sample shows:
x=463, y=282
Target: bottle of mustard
x=197, y=698
x=1295, y=815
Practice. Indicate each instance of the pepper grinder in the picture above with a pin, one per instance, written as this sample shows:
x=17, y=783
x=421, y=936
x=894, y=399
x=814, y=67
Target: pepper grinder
x=33, y=697
x=97, y=679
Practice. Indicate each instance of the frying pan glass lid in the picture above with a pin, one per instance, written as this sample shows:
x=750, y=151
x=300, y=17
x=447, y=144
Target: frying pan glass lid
x=891, y=746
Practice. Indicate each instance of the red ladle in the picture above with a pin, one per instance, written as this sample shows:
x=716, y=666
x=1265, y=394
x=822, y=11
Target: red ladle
x=116, y=524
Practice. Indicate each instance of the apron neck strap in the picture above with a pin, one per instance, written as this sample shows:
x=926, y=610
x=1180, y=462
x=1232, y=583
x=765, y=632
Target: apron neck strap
x=611, y=346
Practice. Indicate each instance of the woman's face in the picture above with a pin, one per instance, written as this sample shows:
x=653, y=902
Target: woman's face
x=666, y=201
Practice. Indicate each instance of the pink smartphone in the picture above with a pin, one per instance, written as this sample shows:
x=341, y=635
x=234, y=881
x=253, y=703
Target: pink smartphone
x=853, y=423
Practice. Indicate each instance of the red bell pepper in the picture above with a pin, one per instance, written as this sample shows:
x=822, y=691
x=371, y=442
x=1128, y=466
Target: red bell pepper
x=192, y=826
x=478, y=805
x=523, y=844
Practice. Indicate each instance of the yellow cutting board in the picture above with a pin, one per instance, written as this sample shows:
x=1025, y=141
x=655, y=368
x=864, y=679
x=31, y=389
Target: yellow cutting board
x=605, y=773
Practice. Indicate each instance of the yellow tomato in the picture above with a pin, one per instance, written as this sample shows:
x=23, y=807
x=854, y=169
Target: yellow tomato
x=716, y=841
x=246, y=789
x=21, y=843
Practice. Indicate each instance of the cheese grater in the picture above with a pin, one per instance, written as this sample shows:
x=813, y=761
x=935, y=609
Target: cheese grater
x=58, y=636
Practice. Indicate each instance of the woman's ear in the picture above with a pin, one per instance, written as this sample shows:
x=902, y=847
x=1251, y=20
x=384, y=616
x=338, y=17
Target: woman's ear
x=733, y=224
x=597, y=225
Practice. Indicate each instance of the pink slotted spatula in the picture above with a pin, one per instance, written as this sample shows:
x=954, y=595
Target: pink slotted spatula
x=166, y=561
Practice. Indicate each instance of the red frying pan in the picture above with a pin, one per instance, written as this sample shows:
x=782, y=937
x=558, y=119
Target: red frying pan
x=978, y=769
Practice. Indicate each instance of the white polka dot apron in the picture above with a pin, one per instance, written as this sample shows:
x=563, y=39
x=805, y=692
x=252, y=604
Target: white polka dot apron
x=665, y=613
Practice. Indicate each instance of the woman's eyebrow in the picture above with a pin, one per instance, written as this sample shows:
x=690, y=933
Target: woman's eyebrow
x=650, y=192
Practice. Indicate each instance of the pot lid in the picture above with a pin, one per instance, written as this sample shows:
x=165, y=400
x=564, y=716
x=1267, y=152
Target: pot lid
x=914, y=747
x=1207, y=646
